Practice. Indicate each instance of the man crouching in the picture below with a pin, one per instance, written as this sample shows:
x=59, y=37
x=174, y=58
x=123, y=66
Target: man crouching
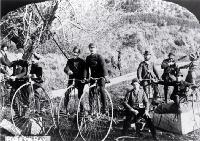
x=137, y=106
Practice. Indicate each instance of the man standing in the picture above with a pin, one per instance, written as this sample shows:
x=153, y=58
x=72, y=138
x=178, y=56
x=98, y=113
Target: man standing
x=4, y=61
x=193, y=68
x=170, y=72
x=36, y=71
x=137, y=106
x=147, y=72
x=96, y=68
x=75, y=68
x=20, y=69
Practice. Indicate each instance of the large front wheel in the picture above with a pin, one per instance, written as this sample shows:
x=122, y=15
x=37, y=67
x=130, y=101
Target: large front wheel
x=31, y=110
x=92, y=123
x=67, y=115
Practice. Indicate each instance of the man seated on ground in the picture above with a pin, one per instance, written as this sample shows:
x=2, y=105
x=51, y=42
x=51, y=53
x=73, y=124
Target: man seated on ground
x=137, y=106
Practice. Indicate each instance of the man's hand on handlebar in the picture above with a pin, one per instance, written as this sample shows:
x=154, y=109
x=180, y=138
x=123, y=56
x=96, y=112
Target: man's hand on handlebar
x=154, y=80
x=95, y=79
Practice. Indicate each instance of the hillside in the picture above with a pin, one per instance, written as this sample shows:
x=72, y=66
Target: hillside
x=128, y=26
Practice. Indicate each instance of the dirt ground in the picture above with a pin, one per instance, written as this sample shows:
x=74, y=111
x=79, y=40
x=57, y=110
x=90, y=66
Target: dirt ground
x=117, y=93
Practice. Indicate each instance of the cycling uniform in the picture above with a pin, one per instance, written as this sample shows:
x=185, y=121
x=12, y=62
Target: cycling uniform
x=96, y=64
x=77, y=66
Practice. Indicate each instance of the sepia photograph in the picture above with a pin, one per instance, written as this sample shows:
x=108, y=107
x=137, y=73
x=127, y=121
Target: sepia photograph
x=100, y=70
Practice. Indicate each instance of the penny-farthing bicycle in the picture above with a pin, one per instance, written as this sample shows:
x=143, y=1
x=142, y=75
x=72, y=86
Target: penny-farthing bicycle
x=96, y=125
x=67, y=117
x=31, y=109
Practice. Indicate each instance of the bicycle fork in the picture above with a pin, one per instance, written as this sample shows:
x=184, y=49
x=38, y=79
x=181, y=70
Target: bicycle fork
x=33, y=100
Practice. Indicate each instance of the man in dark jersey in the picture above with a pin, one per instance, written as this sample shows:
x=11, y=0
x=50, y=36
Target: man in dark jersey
x=75, y=68
x=36, y=71
x=20, y=68
x=96, y=68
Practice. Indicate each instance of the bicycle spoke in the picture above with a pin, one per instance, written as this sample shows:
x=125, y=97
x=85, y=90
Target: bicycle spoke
x=67, y=121
x=35, y=117
x=95, y=125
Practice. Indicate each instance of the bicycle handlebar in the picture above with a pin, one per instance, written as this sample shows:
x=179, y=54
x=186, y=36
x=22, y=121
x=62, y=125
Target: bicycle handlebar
x=152, y=80
x=74, y=79
x=92, y=78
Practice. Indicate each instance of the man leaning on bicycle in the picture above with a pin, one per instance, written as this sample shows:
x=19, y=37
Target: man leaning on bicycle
x=147, y=72
x=20, y=69
x=96, y=68
x=75, y=68
x=20, y=72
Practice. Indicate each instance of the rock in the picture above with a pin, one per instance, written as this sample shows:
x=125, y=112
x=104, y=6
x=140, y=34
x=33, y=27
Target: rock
x=7, y=125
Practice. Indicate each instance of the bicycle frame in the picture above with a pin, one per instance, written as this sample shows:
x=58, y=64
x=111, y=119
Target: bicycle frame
x=60, y=104
x=72, y=86
x=32, y=101
x=85, y=118
x=94, y=88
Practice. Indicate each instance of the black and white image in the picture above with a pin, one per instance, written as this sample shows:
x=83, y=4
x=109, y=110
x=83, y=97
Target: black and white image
x=100, y=70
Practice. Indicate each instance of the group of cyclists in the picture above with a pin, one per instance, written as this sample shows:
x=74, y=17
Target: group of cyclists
x=94, y=66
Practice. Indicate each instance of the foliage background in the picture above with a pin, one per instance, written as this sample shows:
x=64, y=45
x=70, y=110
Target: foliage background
x=128, y=26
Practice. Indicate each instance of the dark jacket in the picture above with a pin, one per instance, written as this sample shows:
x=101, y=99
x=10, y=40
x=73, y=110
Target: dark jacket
x=20, y=68
x=136, y=101
x=77, y=66
x=37, y=70
x=147, y=71
x=170, y=71
x=97, y=65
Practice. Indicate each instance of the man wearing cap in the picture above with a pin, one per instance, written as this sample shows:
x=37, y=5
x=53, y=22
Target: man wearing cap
x=170, y=72
x=193, y=67
x=137, y=106
x=75, y=68
x=147, y=72
x=97, y=66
